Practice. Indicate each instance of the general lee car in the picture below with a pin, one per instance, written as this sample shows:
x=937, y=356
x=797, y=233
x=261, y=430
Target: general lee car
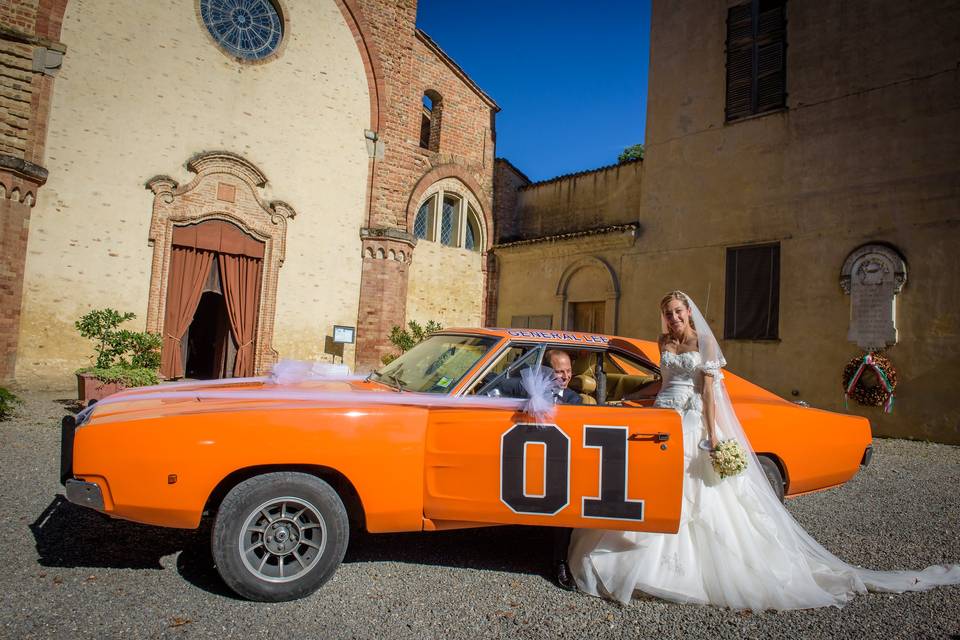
x=285, y=468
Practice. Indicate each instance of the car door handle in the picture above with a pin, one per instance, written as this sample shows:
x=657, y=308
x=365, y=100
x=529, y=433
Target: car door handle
x=656, y=437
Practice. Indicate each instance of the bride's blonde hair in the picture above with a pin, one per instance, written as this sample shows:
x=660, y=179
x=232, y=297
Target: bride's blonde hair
x=676, y=295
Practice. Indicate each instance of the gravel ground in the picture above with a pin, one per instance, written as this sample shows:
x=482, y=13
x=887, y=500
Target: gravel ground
x=74, y=574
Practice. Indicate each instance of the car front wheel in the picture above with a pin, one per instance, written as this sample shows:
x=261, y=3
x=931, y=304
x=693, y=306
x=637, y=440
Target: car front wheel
x=279, y=536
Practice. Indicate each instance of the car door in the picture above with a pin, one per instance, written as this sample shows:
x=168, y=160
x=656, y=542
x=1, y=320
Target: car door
x=607, y=467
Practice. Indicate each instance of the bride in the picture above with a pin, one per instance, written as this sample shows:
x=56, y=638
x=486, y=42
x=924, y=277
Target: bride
x=737, y=545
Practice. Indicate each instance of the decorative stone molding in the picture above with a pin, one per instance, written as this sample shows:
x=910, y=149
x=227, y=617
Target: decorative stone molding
x=610, y=294
x=387, y=244
x=19, y=180
x=872, y=275
x=219, y=173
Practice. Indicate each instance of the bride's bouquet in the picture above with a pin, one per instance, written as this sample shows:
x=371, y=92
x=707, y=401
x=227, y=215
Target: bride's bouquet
x=728, y=458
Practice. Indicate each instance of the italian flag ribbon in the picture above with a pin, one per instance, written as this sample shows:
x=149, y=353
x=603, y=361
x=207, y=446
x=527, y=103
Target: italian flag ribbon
x=869, y=363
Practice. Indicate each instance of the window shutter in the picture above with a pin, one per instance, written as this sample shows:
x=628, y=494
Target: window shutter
x=752, y=308
x=756, y=58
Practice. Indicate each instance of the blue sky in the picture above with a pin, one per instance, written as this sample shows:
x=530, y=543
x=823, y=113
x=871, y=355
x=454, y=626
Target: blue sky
x=570, y=76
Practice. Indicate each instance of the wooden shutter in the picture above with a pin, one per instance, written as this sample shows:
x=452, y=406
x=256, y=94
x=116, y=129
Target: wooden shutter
x=752, y=307
x=739, y=62
x=756, y=58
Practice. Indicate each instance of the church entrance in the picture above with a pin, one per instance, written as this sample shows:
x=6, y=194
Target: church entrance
x=213, y=300
x=210, y=346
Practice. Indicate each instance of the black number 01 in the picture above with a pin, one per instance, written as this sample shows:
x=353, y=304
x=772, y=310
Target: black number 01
x=612, y=501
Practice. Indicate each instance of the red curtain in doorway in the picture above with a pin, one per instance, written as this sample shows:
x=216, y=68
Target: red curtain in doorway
x=188, y=271
x=240, y=276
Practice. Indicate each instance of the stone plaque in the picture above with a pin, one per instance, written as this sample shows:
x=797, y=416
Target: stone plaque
x=873, y=275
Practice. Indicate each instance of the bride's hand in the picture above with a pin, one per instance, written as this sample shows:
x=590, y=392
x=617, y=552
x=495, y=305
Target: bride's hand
x=714, y=441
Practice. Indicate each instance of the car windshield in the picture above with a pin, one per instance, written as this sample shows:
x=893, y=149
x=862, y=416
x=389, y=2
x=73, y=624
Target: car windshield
x=435, y=365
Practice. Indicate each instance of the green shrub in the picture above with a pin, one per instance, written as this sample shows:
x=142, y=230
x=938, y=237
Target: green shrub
x=128, y=357
x=125, y=375
x=8, y=403
x=404, y=339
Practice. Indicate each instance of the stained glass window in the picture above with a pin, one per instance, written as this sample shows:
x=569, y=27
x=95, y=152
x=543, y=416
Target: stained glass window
x=448, y=221
x=248, y=29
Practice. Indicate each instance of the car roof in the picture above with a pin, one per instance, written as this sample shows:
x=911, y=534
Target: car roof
x=573, y=339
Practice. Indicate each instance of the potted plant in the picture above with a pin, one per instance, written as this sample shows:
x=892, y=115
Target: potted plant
x=123, y=358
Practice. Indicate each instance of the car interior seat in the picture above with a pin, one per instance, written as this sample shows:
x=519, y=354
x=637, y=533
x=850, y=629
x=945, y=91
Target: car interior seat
x=584, y=382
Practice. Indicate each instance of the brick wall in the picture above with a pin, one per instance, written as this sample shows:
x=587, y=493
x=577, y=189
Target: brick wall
x=507, y=180
x=412, y=64
x=26, y=27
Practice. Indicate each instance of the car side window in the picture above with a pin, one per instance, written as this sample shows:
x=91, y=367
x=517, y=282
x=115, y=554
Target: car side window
x=507, y=366
x=629, y=379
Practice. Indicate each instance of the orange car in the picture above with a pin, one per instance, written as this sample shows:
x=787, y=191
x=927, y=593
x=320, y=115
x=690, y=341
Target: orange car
x=428, y=442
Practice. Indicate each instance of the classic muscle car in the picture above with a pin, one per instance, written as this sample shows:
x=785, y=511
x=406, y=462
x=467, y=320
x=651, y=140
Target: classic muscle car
x=286, y=467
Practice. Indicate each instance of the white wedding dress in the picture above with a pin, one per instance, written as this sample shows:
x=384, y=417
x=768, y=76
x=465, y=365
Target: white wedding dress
x=737, y=546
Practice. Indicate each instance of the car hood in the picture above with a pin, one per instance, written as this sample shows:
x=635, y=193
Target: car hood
x=263, y=394
x=226, y=396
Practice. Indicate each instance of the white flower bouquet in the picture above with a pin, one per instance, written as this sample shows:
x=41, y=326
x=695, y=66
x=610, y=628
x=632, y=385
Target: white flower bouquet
x=728, y=458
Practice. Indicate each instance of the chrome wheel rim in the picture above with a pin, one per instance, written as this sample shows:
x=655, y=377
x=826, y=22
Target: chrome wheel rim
x=282, y=539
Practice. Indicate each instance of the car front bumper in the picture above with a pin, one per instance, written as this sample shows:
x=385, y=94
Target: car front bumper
x=85, y=494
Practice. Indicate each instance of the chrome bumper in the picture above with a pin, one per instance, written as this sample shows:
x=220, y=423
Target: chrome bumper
x=85, y=494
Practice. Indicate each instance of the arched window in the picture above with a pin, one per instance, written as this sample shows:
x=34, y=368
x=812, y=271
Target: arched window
x=430, y=116
x=451, y=218
x=449, y=226
x=423, y=225
x=473, y=234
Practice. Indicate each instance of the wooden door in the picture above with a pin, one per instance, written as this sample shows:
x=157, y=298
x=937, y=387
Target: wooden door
x=588, y=317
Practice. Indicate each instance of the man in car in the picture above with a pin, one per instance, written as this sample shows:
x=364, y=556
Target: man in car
x=559, y=361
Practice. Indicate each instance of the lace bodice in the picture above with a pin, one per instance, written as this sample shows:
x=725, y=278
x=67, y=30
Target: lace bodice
x=682, y=381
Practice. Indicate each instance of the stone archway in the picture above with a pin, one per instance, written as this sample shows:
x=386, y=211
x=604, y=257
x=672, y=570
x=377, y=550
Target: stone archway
x=226, y=187
x=588, y=281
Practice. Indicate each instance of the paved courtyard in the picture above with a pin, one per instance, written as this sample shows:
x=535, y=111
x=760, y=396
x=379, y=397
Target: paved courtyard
x=70, y=573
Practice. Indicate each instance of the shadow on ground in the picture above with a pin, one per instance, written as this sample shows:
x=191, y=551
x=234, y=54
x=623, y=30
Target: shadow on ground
x=71, y=536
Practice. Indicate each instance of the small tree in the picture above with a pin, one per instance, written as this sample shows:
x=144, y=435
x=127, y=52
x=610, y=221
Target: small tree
x=404, y=339
x=631, y=153
x=129, y=357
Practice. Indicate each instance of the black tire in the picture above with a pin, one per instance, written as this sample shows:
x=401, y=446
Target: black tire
x=279, y=536
x=772, y=471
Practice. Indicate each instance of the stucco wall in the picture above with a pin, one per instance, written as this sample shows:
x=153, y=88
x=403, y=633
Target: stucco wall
x=446, y=285
x=610, y=195
x=868, y=150
x=132, y=102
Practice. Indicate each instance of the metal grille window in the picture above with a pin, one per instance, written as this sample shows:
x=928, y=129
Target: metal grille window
x=752, y=310
x=448, y=220
x=247, y=29
x=421, y=225
x=756, y=58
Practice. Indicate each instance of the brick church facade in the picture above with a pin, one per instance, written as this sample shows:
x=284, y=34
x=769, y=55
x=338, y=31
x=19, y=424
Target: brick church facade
x=338, y=152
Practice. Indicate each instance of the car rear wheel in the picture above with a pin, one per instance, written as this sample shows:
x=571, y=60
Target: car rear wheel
x=772, y=471
x=279, y=536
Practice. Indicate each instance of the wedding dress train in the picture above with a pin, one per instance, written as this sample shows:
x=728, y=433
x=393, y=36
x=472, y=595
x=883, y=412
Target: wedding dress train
x=737, y=545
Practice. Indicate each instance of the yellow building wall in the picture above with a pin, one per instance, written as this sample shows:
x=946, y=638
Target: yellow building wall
x=868, y=151
x=445, y=285
x=142, y=89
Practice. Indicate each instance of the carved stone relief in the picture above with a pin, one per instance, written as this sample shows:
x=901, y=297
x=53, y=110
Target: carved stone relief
x=872, y=275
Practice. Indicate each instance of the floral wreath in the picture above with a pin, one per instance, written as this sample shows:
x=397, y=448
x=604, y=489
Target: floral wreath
x=880, y=395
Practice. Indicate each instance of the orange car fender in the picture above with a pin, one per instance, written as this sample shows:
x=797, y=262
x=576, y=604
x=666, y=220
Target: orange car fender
x=168, y=467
